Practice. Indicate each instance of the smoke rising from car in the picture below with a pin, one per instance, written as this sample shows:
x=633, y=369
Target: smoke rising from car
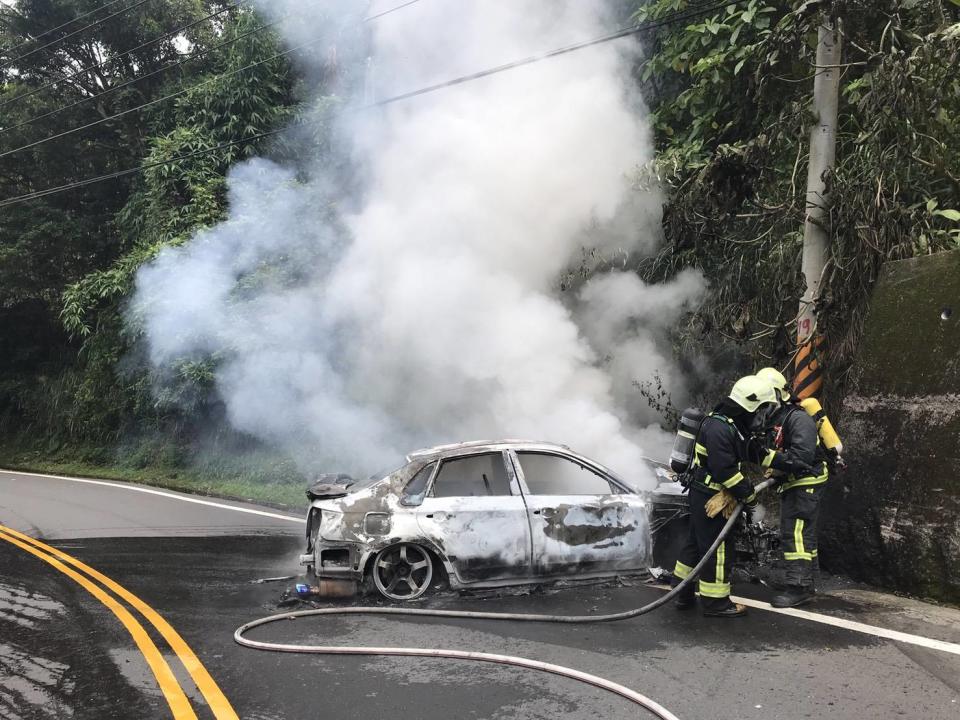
x=414, y=296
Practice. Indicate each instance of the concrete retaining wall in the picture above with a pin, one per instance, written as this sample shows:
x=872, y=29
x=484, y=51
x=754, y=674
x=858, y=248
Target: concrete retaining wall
x=893, y=518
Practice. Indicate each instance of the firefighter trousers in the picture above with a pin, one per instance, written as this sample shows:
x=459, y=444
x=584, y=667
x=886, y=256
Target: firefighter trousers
x=799, y=515
x=714, y=583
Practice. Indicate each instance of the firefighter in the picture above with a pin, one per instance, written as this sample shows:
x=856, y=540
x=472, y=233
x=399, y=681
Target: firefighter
x=800, y=460
x=720, y=448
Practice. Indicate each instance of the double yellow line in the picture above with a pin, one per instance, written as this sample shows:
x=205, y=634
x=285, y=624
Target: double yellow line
x=176, y=698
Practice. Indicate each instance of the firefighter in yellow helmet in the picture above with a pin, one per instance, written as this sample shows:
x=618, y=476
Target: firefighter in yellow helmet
x=720, y=448
x=800, y=459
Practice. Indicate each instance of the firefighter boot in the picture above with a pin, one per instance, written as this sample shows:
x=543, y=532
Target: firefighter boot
x=685, y=601
x=687, y=597
x=714, y=607
x=793, y=597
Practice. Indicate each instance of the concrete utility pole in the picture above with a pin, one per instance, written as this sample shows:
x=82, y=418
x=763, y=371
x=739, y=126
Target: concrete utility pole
x=808, y=380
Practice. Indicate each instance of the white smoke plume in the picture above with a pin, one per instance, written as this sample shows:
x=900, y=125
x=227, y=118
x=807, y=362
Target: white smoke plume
x=429, y=309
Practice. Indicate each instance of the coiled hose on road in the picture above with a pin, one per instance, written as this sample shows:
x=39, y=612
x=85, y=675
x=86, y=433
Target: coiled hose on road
x=594, y=680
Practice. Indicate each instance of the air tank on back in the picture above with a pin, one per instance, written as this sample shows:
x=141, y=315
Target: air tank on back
x=828, y=436
x=685, y=443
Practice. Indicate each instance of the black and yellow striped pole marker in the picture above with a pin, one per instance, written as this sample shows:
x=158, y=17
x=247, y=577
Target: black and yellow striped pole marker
x=808, y=369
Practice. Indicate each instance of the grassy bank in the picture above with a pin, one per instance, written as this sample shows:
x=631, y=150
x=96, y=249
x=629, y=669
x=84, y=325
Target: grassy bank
x=259, y=476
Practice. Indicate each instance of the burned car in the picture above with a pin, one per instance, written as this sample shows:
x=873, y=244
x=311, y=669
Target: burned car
x=476, y=515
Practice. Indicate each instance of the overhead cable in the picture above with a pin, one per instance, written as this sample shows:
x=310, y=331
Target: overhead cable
x=110, y=60
x=636, y=29
x=157, y=101
x=59, y=40
x=130, y=171
x=183, y=61
x=390, y=10
x=155, y=40
x=625, y=32
x=15, y=48
x=141, y=77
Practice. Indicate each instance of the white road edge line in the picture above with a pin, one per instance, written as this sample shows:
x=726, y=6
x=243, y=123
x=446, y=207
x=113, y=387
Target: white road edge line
x=919, y=640
x=152, y=491
x=943, y=646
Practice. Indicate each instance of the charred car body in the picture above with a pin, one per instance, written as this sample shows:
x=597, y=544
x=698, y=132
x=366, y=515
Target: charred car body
x=487, y=514
x=480, y=514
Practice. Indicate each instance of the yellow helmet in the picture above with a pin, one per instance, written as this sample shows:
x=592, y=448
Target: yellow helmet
x=777, y=380
x=750, y=392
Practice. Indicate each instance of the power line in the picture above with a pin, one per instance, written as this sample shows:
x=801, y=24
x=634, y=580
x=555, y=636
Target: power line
x=156, y=40
x=391, y=10
x=113, y=59
x=15, y=60
x=670, y=19
x=129, y=171
x=141, y=77
x=156, y=101
x=625, y=32
x=183, y=61
x=62, y=25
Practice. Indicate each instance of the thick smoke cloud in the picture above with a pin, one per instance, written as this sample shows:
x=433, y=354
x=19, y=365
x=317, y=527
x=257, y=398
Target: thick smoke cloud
x=428, y=309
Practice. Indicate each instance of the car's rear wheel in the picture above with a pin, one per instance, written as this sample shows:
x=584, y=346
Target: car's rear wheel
x=402, y=572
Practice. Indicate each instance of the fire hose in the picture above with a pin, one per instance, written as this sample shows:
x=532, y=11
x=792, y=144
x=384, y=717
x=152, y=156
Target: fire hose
x=587, y=678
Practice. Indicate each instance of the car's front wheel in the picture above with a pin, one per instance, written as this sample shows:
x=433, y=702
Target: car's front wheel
x=402, y=572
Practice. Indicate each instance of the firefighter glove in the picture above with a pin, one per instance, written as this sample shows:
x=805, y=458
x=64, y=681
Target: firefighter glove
x=722, y=501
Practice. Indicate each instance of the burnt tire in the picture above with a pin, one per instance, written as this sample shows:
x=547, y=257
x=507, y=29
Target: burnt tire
x=402, y=572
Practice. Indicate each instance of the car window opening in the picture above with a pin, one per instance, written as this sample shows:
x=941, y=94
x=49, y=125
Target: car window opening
x=473, y=476
x=554, y=475
x=414, y=492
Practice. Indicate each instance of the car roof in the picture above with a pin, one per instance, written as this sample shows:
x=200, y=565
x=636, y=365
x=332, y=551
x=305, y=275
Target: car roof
x=444, y=451
x=481, y=445
x=494, y=445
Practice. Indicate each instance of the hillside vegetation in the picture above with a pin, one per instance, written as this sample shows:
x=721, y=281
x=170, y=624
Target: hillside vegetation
x=730, y=100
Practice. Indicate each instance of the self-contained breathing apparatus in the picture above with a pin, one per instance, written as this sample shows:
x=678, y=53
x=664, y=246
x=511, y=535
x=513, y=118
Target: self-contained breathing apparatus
x=685, y=443
x=828, y=435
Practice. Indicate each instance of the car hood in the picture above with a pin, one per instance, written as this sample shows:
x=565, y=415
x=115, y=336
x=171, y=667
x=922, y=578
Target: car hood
x=331, y=485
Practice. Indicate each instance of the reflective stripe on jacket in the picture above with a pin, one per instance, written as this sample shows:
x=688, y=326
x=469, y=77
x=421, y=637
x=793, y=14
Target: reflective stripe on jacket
x=716, y=464
x=801, y=458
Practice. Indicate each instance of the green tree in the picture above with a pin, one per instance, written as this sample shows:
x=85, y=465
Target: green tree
x=67, y=259
x=731, y=95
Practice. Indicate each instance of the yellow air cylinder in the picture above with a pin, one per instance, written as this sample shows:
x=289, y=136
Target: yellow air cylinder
x=828, y=436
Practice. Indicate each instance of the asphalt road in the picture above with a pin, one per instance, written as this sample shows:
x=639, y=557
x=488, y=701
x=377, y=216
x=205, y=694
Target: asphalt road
x=65, y=653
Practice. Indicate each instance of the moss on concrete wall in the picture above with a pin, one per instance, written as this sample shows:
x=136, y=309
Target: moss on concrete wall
x=907, y=349
x=893, y=518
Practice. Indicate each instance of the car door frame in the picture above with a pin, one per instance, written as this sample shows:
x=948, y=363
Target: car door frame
x=431, y=506
x=586, y=560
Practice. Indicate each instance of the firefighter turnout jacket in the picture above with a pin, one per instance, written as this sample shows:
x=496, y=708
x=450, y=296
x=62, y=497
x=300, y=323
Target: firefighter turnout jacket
x=802, y=457
x=800, y=454
x=719, y=450
x=716, y=464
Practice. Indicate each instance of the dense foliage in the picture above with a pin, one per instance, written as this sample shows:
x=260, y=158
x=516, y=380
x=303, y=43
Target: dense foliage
x=67, y=260
x=730, y=95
